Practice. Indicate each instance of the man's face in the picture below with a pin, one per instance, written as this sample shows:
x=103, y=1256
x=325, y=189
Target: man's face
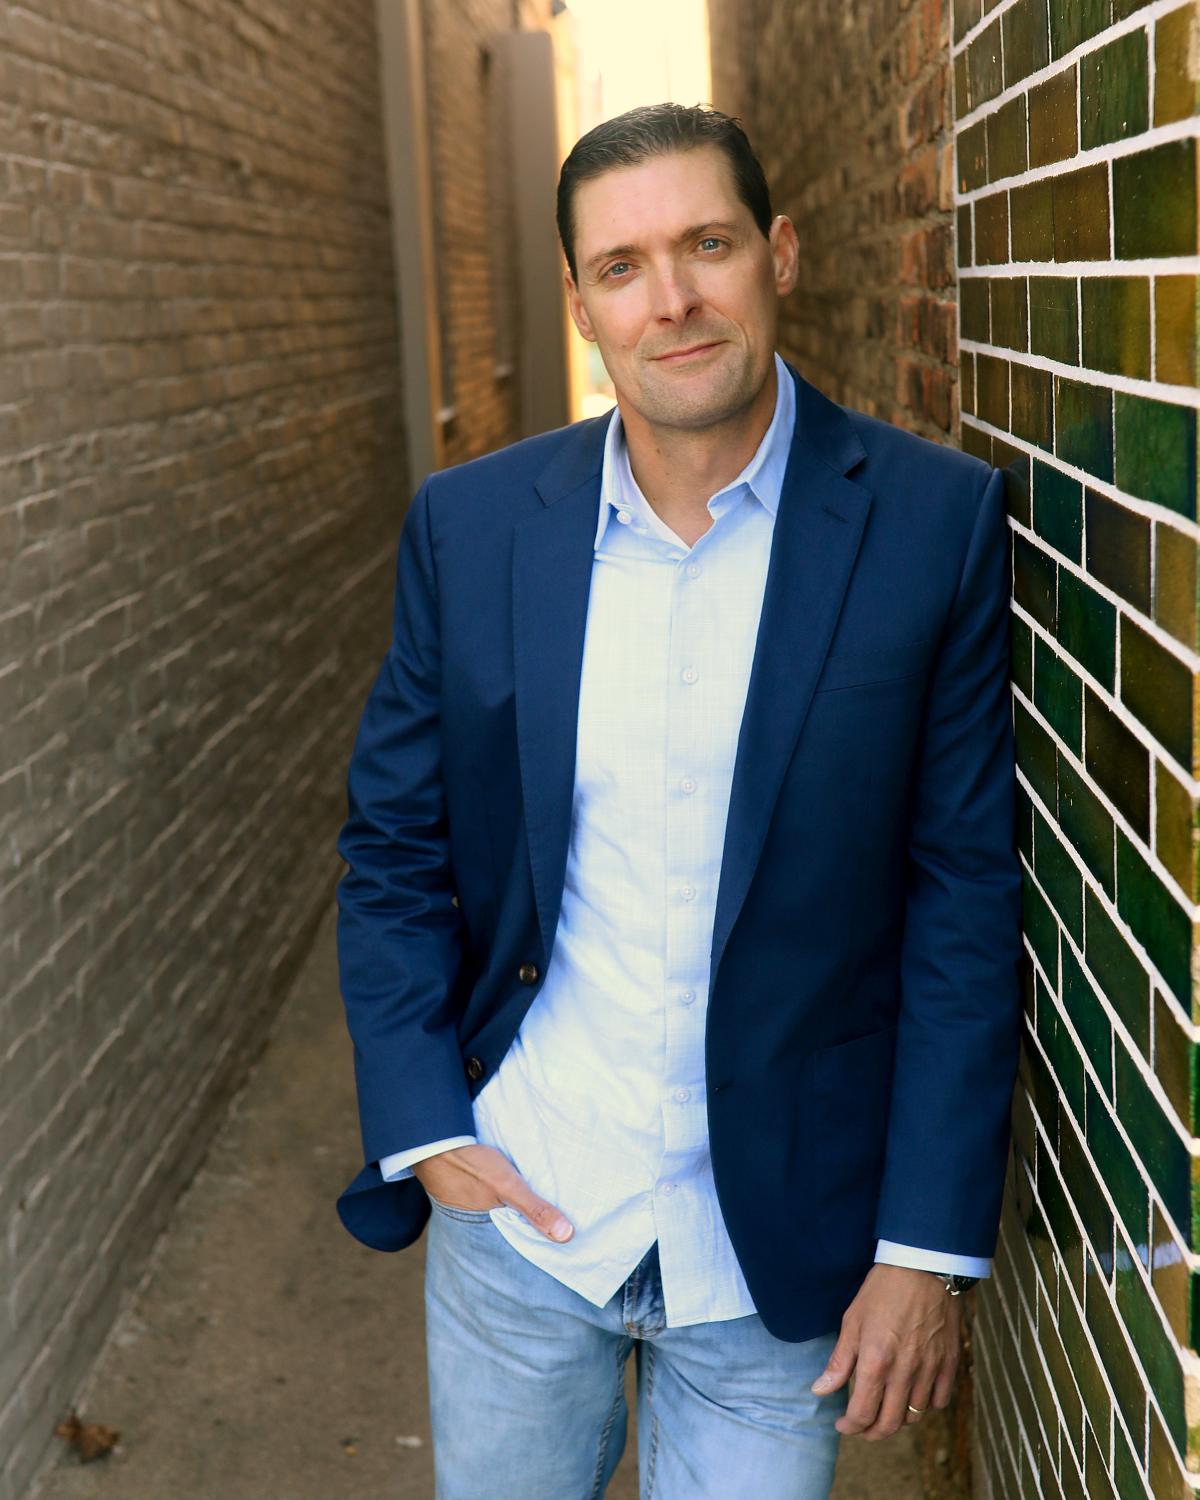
x=678, y=286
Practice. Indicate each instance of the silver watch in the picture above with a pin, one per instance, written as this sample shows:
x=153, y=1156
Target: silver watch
x=956, y=1285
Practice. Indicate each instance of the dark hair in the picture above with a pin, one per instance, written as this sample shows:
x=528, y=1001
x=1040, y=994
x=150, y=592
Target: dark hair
x=654, y=130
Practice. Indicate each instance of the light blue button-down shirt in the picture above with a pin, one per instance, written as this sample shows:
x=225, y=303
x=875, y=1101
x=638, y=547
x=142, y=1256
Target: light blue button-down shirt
x=600, y=1100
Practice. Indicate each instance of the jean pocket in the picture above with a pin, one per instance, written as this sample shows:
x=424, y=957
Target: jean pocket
x=468, y=1215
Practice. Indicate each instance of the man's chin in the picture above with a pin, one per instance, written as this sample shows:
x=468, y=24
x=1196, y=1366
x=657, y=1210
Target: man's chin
x=695, y=409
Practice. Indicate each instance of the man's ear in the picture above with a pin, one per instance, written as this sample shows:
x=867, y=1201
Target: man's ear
x=785, y=253
x=576, y=308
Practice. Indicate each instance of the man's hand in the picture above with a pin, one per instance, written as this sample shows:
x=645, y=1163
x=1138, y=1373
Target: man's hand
x=479, y=1177
x=900, y=1340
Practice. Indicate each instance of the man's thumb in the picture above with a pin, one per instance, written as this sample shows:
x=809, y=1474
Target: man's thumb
x=837, y=1369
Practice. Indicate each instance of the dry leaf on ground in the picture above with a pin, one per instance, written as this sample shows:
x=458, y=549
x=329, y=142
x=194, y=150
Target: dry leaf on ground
x=90, y=1439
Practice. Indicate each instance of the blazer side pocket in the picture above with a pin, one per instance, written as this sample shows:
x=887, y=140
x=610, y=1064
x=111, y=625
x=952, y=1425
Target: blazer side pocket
x=849, y=1092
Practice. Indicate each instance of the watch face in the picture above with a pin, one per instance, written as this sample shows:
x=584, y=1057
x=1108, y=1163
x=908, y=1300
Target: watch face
x=961, y=1283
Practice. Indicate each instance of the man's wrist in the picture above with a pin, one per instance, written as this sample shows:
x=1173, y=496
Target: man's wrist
x=953, y=1283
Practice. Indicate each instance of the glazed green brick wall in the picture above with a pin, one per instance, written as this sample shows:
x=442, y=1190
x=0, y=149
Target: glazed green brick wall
x=1076, y=218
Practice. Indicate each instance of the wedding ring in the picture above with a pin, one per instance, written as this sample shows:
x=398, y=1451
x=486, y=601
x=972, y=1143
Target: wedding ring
x=919, y=1410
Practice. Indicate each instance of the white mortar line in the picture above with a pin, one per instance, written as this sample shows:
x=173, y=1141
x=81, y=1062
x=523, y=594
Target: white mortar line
x=1153, y=293
x=1092, y=156
x=1162, y=265
x=1148, y=508
x=1190, y=909
x=1189, y=1362
x=1138, y=21
x=1186, y=1024
x=1092, y=1348
x=1153, y=1197
x=1152, y=80
x=1118, y=1027
x=999, y=1377
x=1186, y=657
x=981, y=26
x=1128, y=385
x=1014, y=1309
x=1190, y=1027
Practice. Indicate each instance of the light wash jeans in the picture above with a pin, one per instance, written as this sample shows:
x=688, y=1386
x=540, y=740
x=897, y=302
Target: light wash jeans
x=526, y=1386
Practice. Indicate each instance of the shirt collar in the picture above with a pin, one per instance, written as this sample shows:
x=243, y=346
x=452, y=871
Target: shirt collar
x=762, y=476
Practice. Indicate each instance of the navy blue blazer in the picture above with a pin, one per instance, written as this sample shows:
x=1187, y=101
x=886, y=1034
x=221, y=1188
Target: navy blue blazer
x=864, y=1003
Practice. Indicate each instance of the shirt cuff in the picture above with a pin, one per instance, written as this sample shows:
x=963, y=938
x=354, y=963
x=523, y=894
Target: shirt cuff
x=891, y=1254
x=399, y=1164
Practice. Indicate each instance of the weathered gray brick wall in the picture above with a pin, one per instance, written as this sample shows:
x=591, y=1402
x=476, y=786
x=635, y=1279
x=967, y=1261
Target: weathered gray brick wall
x=473, y=224
x=202, y=477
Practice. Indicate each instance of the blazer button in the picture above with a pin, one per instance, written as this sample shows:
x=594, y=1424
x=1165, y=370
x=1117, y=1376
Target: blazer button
x=528, y=973
x=475, y=1069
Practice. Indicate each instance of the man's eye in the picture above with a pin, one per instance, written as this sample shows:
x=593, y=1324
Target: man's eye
x=617, y=267
x=710, y=242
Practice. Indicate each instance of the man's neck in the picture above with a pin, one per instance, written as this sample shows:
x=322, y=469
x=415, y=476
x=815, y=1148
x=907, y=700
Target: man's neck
x=679, y=469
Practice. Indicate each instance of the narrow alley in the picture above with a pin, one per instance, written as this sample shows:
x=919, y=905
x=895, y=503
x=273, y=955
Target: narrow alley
x=263, y=269
x=267, y=1356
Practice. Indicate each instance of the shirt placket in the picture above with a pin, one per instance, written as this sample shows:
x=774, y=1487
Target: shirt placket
x=688, y=899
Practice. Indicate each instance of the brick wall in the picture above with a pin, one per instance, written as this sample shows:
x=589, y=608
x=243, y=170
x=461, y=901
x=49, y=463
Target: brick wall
x=472, y=224
x=1076, y=185
x=202, y=477
x=848, y=108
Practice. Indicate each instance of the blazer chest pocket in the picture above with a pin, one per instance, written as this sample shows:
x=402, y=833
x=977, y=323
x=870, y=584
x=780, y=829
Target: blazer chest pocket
x=846, y=669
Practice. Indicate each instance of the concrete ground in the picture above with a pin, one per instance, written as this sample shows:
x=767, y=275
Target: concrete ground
x=269, y=1356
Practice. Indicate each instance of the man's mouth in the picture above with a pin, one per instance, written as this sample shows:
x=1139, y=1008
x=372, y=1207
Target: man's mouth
x=677, y=356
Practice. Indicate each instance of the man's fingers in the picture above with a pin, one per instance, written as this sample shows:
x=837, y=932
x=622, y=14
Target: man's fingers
x=472, y=1167
x=893, y=1403
x=838, y=1367
x=870, y=1378
x=921, y=1394
x=943, y=1385
x=517, y=1193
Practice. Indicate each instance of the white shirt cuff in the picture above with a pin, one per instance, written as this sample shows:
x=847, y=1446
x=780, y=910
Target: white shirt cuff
x=892, y=1254
x=398, y=1165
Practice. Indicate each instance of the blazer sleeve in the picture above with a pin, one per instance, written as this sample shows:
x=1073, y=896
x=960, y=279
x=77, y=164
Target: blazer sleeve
x=401, y=942
x=959, y=1024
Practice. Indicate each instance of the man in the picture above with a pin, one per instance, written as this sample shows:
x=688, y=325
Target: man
x=680, y=932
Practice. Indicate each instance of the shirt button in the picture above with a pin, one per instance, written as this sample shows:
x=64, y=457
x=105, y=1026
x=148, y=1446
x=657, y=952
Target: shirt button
x=693, y=570
x=624, y=517
x=687, y=891
x=689, y=674
x=687, y=784
x=687, y=996
x=682, y=1096
x=668, y=1188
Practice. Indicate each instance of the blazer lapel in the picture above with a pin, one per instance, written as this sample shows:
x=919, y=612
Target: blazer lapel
x=818, y=528
x=552, y=574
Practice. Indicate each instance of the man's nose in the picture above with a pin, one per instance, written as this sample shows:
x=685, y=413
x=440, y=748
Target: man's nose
x=675, y=296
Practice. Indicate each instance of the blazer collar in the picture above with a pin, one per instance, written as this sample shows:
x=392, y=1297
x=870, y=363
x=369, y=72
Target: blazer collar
x=821, y=425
